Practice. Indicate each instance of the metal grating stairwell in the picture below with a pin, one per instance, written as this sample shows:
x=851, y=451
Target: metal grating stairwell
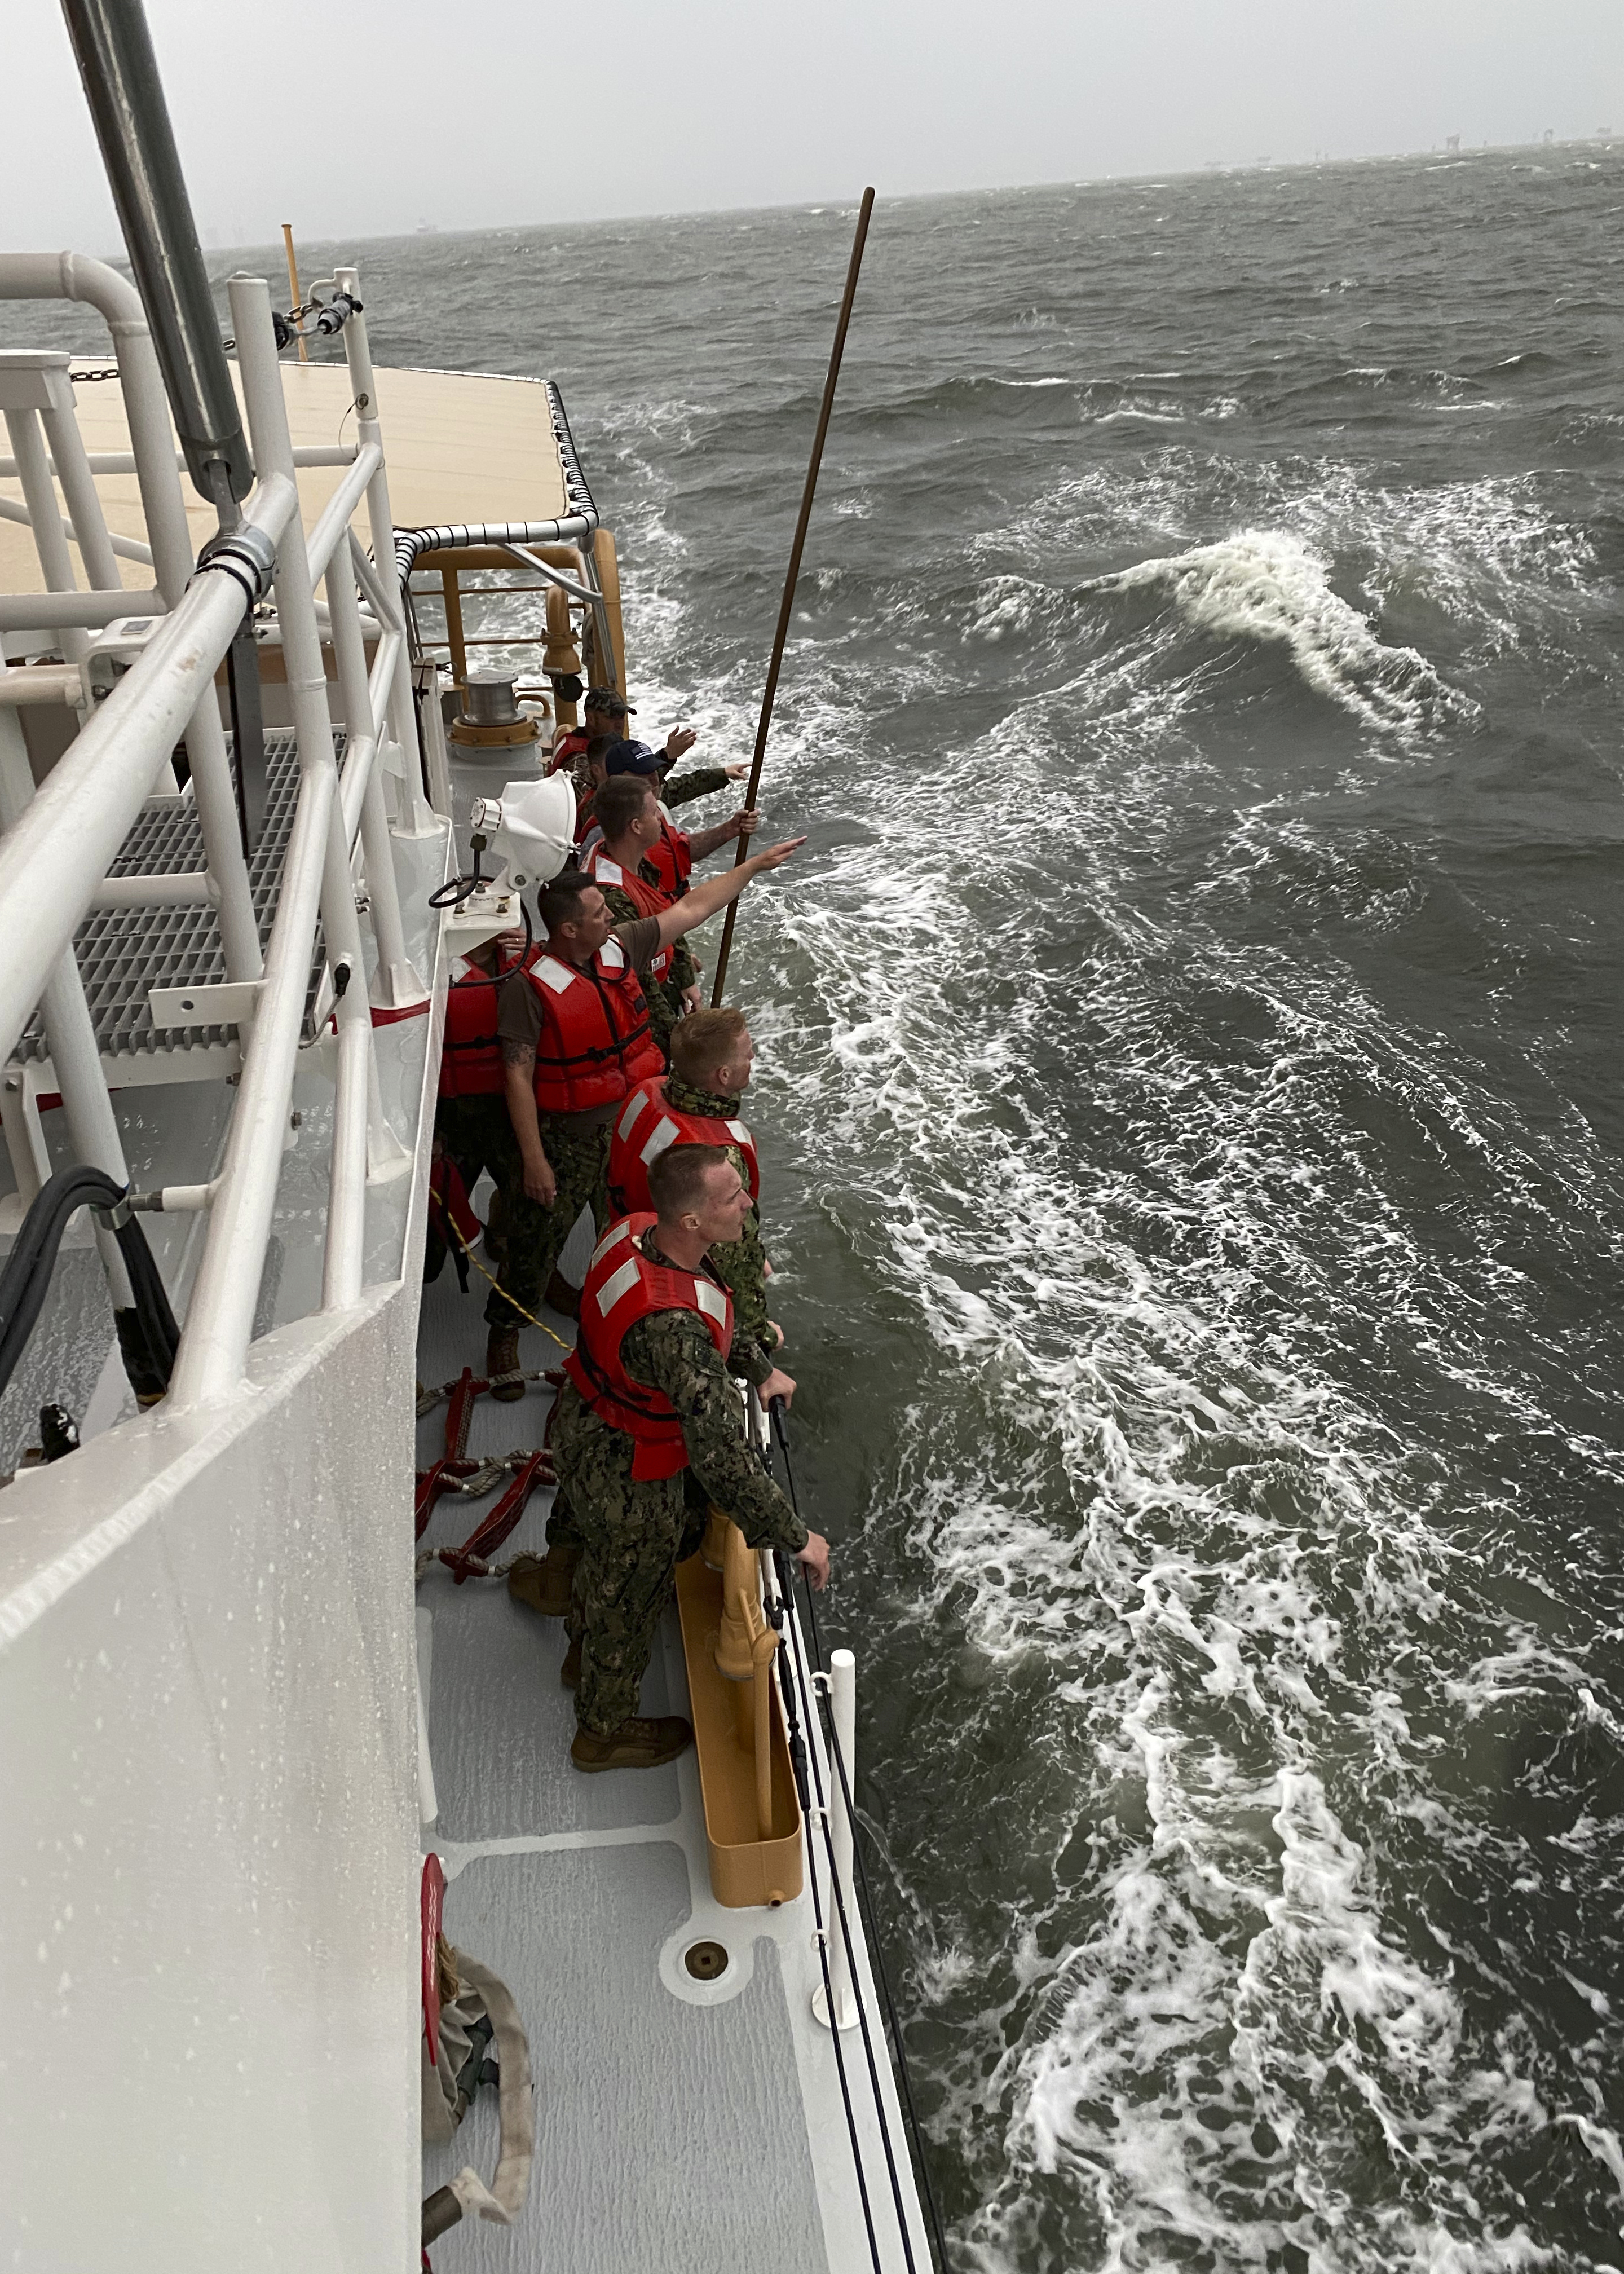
x=123, y=953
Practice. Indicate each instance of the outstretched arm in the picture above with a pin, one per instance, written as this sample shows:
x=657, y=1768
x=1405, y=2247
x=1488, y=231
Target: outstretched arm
x=702, y=900
x=704, y=842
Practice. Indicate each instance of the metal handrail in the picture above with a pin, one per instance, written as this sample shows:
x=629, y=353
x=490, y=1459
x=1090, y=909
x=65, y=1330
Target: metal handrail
x=340, y=509
x=71, y=277
x=123, y=461
x=71, y=833
x=55, y=855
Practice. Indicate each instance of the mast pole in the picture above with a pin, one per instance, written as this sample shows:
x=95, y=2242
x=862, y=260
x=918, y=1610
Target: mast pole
x=293, y=283
x=793, y=573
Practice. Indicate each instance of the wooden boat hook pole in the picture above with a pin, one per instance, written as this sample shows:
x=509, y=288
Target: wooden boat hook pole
x=765, y=721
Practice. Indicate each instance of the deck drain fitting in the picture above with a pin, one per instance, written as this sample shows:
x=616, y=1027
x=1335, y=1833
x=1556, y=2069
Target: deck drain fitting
x=706, y=1962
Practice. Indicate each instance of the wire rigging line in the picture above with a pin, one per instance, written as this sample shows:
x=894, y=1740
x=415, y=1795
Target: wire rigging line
x=865, y=1895
x=822, y=1938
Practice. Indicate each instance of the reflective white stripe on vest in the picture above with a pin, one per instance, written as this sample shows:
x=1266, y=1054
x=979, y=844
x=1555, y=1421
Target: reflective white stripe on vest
x=710, y=1300
x=621, y=1231
x=739, y=1130
x=665, y=1134
x=553, y=974
x=606, y=871
x=620, y=1283
x=613, y=953
x=628, y=1120
x=460, y=968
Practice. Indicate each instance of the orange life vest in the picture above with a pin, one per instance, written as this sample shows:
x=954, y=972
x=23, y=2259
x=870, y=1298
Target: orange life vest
x=470, y=1057
x=644, y=898
x=594, y=1043
x=671, y=857
x=623, y=1286
x=647, y=1125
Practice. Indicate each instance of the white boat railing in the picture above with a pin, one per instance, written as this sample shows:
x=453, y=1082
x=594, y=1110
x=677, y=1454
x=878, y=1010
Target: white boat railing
x=61, y=840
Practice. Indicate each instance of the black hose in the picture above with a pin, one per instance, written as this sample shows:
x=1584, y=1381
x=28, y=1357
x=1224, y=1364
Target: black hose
x=149, y=1337
x=452, y=894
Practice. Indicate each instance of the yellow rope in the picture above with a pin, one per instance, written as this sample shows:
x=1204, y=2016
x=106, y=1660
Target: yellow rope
x=457, y=1235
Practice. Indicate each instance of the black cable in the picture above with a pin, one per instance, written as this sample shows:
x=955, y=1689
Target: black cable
x=149, y=1337
x=822, y=1938
x=453, y=894
x=865, y=1895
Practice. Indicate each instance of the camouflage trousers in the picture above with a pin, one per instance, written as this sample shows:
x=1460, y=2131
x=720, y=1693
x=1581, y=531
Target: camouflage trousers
x=635, y=1535
x=478, y=1134
x=536, y=1235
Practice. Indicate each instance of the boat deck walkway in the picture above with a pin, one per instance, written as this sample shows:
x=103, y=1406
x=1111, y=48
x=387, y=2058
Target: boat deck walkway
x=668, y=2129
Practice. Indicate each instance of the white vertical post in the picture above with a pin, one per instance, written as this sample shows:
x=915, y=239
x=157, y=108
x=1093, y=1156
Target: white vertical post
x=25, y=1139
x=432, y=726
x=396, y=977
x=70, y=276
x=307, y=700
x=39, y=495
x=69, y=1035
x=417, y=817
x=843, y=1714
x=78, y=490
x=152, y=439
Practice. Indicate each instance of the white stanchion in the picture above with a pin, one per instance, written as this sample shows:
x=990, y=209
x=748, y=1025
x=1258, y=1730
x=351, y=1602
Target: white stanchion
x=843, y=1713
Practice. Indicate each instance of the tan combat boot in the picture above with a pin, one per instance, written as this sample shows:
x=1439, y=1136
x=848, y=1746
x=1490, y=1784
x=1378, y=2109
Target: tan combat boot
x=635, y=1744
x=561, y=1296
x=502, y=1363
x=543, y=1583
x=569, y=1673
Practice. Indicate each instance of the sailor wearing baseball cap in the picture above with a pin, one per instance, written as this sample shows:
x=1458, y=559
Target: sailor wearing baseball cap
x=677, y=851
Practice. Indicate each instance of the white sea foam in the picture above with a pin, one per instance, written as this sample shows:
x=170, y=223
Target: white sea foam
x=1131, y=1460
x=1270, y=585
x=1488, y=552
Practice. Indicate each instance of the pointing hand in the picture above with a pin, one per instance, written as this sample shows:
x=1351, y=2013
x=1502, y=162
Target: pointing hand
x=776, y=855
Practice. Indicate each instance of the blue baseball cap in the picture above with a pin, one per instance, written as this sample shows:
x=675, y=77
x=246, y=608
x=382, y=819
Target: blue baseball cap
x=632, y=758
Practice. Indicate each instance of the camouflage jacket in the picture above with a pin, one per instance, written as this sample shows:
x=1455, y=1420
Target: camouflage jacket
x=673, y=1353
x=705, y=781
x=742, y=1263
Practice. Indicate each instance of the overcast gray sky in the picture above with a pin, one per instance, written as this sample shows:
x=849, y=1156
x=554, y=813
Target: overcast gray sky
x=361, y=120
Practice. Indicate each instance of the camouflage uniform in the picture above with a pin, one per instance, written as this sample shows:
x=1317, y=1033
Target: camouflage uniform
x=637, y=1533
x=477, y=1133
x=705, y=781
x=578, y=1159
x=742, y=1263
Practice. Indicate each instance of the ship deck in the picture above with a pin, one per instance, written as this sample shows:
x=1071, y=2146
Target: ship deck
x=655, y=2095
x=669, y=2128
x=679, y=2123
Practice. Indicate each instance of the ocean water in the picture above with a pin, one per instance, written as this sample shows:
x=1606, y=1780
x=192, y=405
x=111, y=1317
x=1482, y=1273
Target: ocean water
x=1188, y=1093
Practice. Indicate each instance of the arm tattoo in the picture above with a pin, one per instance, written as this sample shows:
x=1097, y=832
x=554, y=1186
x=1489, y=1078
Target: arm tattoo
x=518, y=1055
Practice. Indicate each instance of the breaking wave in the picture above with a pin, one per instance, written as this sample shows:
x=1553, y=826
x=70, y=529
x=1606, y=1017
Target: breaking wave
x=1270, y=585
